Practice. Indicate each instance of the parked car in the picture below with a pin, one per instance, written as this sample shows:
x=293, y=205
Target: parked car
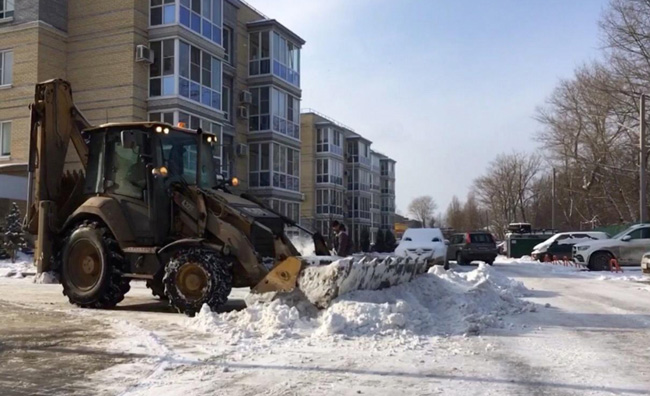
x=561, y=244
x=645, y=263
x=423, y=244
x=628, y=247
x=471, y=246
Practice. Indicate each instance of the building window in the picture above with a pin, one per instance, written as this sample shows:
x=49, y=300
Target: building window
x=328, y=140
x=161, y=71
x=359, y=180
x=286, y=114
x=259, y=165
x=225, y=104
x=286, y=60
x=228, y=147
x=260, y=109
x=227, y=44
x=286, y=166
x=359, y=207
x=167, y=117
x=162, y=12
x=6, y=66
x=5, y=139
x=203, y=17
x=329, y=171
x=199, y=74
x=6, y=9
x=329, y=202
x=322, y=140
x=259, y=53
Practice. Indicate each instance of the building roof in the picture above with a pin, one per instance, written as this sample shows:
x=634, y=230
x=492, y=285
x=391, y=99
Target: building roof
x=278, y=26
x=383, y=157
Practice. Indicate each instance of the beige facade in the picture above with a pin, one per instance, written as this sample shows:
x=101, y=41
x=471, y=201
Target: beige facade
x=93, y=44
x=341, y=179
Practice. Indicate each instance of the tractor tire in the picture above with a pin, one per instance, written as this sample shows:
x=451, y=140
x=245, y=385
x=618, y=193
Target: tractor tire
x=194, y=277
x=599, y=261
x=157, y=286
x=91, y=267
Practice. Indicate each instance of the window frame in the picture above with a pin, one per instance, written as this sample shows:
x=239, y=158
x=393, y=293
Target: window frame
x=3, y=125
x=8, y=10
x=6, y=71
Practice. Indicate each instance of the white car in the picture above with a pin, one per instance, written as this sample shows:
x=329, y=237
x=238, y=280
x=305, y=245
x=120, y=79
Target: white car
x=628, y=247
x=561, y=244
x=423, y=244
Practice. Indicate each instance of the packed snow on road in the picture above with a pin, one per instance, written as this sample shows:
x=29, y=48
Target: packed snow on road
x=518, y=327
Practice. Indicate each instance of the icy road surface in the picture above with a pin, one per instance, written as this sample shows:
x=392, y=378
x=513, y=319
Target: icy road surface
x=465, y=332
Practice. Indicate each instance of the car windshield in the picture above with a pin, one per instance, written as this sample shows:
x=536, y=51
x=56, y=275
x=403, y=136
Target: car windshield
x=179, y=155
x=481, y=238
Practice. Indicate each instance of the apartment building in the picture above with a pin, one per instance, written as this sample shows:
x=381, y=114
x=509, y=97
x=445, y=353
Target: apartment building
x=387, y=193
x=322, y=163
x=342, y=179
x=216, y=64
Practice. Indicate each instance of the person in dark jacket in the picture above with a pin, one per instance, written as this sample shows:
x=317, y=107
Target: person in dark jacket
x=342, y=244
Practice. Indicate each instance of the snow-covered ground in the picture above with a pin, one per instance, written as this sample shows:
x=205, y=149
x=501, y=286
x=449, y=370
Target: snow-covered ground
x=515, y=328
x=22, y=267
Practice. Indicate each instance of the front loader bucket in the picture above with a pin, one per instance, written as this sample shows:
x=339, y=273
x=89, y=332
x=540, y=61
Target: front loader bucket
x=320, y=284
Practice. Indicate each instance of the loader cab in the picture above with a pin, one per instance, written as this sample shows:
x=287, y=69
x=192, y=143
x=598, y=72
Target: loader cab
x=136, y=163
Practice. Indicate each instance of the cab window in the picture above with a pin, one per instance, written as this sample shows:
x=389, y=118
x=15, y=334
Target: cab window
x=126, y=171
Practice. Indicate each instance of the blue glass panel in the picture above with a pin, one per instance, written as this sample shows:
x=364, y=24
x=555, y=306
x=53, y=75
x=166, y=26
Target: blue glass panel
x=207, y=29
x=216, y=34
x=276, y=68
x=195, y=92
x=276, y=123
x=184, y=87
x=265, y=179
x=283, y=72
x=168, y=85
x=283, y=181
x=169, y=14
x=185, y=3
x=216, y=100
x=185, y=16
x=255, y=178
x=206, y=97
x=276, y=180
x=196, y=23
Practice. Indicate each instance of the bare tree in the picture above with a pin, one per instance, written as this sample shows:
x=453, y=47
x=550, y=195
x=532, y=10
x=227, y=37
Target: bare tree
x=423, y=208
x=455, y=216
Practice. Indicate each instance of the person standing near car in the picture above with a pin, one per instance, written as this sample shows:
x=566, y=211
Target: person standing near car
x=342, y=244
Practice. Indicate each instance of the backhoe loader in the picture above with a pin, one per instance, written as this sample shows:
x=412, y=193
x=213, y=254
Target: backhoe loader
x=143, y=200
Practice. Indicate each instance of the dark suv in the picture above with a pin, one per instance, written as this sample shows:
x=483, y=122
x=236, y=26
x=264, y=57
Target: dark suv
x=470, y=246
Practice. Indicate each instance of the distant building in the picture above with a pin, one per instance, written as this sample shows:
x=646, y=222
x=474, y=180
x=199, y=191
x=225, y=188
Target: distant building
x=342, y=179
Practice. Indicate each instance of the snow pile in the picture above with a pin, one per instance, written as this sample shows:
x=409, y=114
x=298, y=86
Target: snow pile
x=628, y=278
x=47, y=278
x=23, y=266
x=546, y=267
x=304, y=245
x=273, y=320
x=436, y=303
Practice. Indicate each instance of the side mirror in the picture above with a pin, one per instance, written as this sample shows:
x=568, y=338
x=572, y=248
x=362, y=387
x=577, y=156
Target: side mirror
x=626, y=238
x=447, y=242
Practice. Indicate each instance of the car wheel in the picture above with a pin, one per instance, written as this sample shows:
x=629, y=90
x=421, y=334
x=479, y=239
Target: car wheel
x=459, y=259
x=446, y=266
x=599, y=261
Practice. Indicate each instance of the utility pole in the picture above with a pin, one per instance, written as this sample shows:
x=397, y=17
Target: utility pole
x=553, y=201
x=643, y=208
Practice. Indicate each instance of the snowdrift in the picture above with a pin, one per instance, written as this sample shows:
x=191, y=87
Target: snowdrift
x=437, y=303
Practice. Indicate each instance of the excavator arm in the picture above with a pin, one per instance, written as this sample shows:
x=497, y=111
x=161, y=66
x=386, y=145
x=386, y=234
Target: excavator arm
x=56, y=175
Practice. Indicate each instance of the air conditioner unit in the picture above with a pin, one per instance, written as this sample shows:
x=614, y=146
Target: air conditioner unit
x=246, y=97
x=242, y=111
x=242, y=150
x=143, y=54
x=302, y=197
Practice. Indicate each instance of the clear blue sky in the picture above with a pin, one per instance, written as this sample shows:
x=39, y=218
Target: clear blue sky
x=440, y=86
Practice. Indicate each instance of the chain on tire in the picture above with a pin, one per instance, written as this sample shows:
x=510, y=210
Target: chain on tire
x=194, y=277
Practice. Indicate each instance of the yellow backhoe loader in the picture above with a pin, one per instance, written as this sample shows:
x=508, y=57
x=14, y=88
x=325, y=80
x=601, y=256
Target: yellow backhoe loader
x=143, y=200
